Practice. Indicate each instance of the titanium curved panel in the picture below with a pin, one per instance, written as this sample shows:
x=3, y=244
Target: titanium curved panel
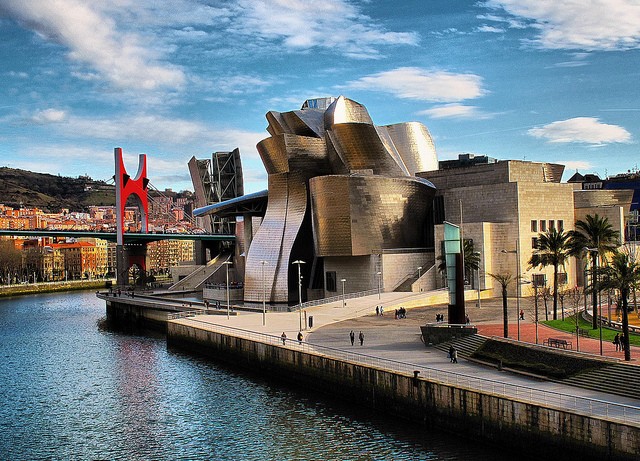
x=277, y=125
x=275, y=238
x=308, y=122
x=415, y=146
x=381, y=213
x=344, y=110
x=360, y=148
x=274, y=154
x=288, y=152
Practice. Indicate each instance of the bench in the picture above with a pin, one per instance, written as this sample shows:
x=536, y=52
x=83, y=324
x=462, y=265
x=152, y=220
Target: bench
x=558, y=343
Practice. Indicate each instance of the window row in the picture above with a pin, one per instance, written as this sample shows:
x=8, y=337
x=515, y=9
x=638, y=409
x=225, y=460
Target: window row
x=544, y=225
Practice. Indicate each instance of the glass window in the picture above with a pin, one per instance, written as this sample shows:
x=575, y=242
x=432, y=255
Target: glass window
x=552, y=224
x=534, y=243
x=539, y=280
x=331, y=281
x=560, y=225
x=543, y=225
x=534, y=225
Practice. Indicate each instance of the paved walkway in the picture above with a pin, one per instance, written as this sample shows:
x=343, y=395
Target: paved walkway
x=398, y=340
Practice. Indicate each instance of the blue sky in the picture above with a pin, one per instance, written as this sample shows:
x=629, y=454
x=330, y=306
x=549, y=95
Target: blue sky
x=516, y=79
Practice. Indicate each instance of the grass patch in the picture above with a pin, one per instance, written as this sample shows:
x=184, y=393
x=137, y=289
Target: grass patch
x=531, y=360
x=569, y=325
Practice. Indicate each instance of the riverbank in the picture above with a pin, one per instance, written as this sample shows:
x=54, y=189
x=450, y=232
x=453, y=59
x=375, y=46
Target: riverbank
x=477, y=402
x=52, y=287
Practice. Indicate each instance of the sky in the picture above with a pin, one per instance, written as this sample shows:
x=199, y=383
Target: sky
x=536, y=80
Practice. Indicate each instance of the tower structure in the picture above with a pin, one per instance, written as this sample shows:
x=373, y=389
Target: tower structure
x=137, y=189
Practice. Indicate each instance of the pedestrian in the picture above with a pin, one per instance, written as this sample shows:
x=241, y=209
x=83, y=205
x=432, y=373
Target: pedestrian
x=361, y=338
x=381, y=311
x=466, y=317
x=299, y=337
x=454, y=355
x=377, y=311
x=521, y=314
x=451, y=353
x=616, y=341
x=352, y=337
x=284, y=337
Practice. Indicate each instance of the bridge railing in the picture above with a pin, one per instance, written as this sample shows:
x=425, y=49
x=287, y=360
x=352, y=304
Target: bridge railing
x=583, y=405
x=332, y=299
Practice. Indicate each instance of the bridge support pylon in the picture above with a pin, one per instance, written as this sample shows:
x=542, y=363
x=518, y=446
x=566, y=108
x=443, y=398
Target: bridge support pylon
x=137, y=189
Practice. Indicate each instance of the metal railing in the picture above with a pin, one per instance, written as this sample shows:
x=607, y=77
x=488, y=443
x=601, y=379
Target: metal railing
x=332, y=299
x=582, y=405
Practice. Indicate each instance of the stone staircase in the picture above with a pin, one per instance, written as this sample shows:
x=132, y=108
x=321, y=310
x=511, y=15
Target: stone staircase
x=466, y=346
x=618, y=378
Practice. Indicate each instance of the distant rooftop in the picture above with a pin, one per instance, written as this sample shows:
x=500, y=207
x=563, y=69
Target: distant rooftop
x=466, y=160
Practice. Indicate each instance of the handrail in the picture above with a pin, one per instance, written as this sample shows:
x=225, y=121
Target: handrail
x=582, y=405
x=332, y=299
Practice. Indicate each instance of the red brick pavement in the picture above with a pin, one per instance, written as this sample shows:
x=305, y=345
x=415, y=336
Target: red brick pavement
x=528, y=334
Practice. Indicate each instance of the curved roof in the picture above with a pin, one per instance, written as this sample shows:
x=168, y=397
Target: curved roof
x=254, y=204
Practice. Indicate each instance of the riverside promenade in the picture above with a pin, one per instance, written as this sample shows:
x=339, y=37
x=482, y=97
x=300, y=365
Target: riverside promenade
x=398, y=343
x=394, y=372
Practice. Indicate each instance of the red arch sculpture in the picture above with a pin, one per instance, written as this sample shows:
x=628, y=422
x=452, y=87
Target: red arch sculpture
x=127, y=187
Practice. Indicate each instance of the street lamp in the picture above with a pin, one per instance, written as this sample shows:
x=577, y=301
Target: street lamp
x=299, y=262
x=594, y=278
x=264, y=307
x=227, y=263
x=379, y=274
x=517, y=253
x=343, y=280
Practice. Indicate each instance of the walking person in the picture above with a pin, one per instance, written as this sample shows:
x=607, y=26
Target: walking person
x=454, y=355
x=299, y=337
x=377, y=311
x=616, y=341
x=361, y=338
x=284, y=337
x=352, y=337
x=451, y=349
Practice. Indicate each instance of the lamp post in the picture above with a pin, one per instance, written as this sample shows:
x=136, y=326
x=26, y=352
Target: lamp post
x=517, y=253
x=299, y=262
x=379, y=274
x=264, y=306
x=227, y=263
x=594, y=279
x=343, y=280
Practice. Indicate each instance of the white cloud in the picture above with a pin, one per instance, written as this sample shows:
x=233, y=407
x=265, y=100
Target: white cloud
x=95, y=39
x=423, y=85
x=586, y=130
x=490, y=29
x=576, y=164
x=49, y=116
x=455, y=111
x=336, y=25
x=578, y=24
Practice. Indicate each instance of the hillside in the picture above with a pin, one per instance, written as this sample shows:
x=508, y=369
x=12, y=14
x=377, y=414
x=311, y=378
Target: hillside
x=51, y=193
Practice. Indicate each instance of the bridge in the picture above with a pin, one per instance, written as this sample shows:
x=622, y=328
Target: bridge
x=129, y=237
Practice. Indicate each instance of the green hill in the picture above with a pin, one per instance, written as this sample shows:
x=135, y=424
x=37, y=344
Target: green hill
x=21, y=188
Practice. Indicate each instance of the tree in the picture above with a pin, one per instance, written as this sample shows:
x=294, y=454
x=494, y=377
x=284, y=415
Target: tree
x=554, y=248
x=622, y=274
x=504, y=280
x=471, y=259
x=594, y=235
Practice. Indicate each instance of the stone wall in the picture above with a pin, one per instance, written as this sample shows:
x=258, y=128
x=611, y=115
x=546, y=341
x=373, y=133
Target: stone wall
x=540, y=431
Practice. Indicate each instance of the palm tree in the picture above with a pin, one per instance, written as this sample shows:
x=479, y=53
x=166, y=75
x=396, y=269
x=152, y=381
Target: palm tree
x=622, y=274
x=596, y=236
x=504, y=280
x=554, y=248
x=471, y=259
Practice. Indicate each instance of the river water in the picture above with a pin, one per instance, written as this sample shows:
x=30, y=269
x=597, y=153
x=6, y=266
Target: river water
x=72, y=390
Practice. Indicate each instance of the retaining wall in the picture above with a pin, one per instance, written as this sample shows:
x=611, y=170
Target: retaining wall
x=534, y=429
